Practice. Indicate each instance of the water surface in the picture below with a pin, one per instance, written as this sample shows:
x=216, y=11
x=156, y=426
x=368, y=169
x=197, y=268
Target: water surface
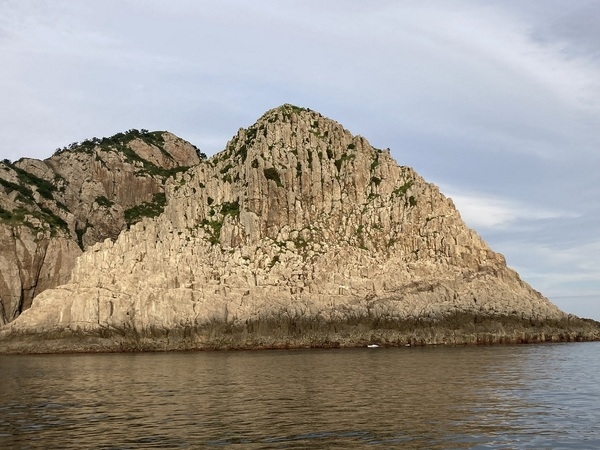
x=536, y=396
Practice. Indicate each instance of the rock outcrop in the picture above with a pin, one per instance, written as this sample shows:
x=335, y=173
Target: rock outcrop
x=51, y=210
x=298, y=233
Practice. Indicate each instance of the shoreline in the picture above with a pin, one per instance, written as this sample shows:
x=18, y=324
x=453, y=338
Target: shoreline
x=296, y=334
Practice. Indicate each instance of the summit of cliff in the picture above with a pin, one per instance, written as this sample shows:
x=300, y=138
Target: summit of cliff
x=298, y=233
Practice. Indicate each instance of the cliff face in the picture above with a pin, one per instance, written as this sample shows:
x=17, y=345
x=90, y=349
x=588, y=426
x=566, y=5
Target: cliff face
x=297, y=221
x=51, y=210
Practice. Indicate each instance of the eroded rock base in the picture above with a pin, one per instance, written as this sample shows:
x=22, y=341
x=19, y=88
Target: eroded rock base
x=282, y=333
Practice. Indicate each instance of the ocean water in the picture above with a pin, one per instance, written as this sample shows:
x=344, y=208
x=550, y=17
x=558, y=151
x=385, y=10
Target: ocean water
x=524, y=397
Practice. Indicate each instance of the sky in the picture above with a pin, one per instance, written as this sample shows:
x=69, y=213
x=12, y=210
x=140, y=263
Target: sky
x=496, y=102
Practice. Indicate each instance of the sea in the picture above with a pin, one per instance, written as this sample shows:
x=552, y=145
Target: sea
x=544, y=396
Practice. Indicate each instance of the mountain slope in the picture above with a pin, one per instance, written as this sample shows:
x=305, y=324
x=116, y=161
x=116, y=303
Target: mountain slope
x=53, y=209
x=298, y=233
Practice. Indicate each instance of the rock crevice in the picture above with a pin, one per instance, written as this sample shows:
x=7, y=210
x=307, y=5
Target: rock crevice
x=297, y=220
x=53, y=209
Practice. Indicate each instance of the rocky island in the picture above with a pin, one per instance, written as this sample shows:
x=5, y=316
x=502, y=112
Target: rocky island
x=298, y=234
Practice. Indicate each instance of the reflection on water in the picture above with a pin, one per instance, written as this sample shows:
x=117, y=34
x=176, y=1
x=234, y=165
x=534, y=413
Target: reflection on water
x=543, y=396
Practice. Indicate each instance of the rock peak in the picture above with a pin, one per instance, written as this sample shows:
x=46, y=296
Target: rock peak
x=296, y=222
x=286, y=110
x=85, y=193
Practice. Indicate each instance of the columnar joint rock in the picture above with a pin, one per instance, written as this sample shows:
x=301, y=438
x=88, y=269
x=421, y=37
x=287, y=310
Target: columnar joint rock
x=296, y=218
x=53, y=209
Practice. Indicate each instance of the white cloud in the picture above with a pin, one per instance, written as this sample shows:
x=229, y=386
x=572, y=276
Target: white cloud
x=497, y=102
x=483, y=211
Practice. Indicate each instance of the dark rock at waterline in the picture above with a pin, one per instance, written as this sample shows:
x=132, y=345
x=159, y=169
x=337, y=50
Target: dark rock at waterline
x=297, y=234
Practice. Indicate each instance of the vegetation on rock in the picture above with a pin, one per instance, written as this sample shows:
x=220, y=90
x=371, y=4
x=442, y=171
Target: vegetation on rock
x=297, y=234
x=51, y=210
x=152, y=208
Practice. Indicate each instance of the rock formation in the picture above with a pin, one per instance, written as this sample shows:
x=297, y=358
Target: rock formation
x=298, y=233
x=51, y=210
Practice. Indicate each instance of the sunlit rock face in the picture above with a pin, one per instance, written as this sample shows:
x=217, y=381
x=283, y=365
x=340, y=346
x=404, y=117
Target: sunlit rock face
x=53, y=209
x=297, y=221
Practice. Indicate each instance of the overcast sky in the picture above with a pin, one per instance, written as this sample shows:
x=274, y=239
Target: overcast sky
x=496, y=102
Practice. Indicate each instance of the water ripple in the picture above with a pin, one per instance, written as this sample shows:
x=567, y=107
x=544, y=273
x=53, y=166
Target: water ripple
x=545, y=396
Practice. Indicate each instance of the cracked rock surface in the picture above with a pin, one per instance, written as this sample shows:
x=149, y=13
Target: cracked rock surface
x=296, y=222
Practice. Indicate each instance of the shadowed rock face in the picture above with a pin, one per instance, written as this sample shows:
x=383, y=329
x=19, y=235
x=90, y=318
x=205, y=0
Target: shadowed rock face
x=53, y=209
x=296, y=221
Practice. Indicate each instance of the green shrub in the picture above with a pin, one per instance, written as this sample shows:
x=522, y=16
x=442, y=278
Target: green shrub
x=213, y=228
x=242, y=152
x=230, y=209
x=403, y=189
x=44, y=187
x=24, y=191
x=251, y=135
x=53, y=221
x=153, y=208
x=374, y=163
x=103, y=201
x=226, y=168
x=201, y=155
x=4, y=214
x=345, y=157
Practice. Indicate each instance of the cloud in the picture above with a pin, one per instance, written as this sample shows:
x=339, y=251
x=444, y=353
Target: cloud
x=555, y=249
x=568, y=276
x=481, y=211
x=497, y=102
